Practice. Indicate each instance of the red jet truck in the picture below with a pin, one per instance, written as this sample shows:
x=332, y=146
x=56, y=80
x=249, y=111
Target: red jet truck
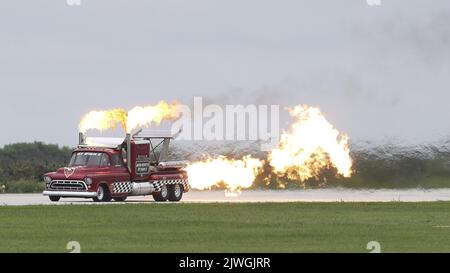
x=115, y=168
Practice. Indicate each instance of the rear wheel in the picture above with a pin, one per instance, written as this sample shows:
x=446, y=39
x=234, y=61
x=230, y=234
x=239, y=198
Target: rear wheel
x=102, y=194
x=175, y=192
x=162, y=195
x=54, y=198
x=119, y=199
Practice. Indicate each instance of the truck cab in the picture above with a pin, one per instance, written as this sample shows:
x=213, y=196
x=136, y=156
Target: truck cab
x=106, y=169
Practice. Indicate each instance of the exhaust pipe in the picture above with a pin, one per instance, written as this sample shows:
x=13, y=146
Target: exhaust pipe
x=81, y=139
x=172, y=165
x=128, y=140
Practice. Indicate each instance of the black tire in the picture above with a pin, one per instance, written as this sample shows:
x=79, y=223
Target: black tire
x=162, y=195
x=120, y=199
x=175, y=192
x=103, y=194
x=54, y=198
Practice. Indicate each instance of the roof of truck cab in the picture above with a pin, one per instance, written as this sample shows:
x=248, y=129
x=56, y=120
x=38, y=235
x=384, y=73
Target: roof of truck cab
x=97, y=150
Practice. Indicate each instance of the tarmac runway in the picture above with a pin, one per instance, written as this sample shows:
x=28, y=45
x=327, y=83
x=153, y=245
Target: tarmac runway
x=312, y=195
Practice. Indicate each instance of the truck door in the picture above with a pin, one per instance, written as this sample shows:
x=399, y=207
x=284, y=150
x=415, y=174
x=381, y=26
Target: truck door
x=119, y=169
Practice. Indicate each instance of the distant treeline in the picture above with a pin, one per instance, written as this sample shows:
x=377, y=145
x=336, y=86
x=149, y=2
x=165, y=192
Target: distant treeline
x=22, y=166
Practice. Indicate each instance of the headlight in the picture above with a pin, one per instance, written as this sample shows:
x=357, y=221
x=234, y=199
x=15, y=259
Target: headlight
x=88, y=181
x=47, y=179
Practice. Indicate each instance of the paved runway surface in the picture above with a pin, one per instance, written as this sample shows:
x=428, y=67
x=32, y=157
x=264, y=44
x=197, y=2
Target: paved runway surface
x=320, y=195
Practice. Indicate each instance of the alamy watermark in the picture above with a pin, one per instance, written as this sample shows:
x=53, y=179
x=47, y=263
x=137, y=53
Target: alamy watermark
x=229, y=122
x=374, y=247
x=373, y=2
x=73, y=3
x=74, y=246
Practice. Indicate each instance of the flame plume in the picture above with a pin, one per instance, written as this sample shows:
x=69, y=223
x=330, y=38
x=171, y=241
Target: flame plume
x=137, y=117
x=235, y=174
x=144, y=116
x=309, y=145
x=103, y=120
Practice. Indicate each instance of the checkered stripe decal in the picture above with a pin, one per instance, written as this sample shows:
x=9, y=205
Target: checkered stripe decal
x=160, y=183
x=122, y=187
x=186, y=185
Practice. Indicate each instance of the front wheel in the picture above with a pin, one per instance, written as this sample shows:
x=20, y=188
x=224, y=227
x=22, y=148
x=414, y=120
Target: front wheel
x=54, y=198
x=175, y=192
x=162, y=195
x=102, y=194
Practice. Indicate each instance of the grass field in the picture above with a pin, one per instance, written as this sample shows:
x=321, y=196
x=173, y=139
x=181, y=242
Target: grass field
x=247, y=227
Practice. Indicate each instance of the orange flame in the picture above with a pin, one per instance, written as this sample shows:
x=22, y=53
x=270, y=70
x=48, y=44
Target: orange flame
x=310, y=144
x=137, y=117
x=235, y=174
x=103, y=120
x=144, y=116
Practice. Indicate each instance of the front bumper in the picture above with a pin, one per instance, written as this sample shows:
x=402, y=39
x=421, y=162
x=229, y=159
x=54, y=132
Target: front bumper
x=84, y=194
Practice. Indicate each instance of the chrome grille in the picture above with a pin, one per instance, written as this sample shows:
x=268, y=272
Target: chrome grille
x=68, y=185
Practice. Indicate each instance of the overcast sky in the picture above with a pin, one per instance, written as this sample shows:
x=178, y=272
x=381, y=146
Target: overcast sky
x=376, y=72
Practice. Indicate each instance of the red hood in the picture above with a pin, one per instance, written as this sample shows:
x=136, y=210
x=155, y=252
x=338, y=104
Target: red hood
x=75, y=173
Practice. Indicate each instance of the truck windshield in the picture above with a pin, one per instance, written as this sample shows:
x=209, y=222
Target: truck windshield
x=89, y=159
